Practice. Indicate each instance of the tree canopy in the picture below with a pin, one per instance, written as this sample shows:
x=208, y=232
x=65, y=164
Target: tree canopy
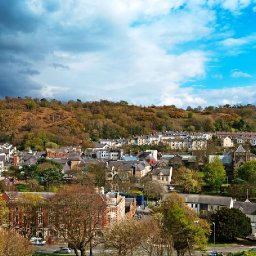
x=186, y=229
x=215, y=173
x=247, y=172
x=188, y=179
x=35, y=123
x=77, y=213
x=12, y=244
x=230, y=224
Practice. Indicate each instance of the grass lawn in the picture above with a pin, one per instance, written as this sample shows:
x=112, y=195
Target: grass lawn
x=245, y=253
x=239, y=241
x=57, y=254
x=22, y=187
x=50, y=254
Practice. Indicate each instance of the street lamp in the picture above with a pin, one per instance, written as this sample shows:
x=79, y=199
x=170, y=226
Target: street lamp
x=214, y=235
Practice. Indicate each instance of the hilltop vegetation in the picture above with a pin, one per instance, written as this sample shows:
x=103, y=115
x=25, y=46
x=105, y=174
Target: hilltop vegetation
x=37, y=122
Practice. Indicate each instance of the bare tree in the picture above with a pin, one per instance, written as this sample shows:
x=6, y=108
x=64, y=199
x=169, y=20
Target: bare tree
x=12, y=244
x=156, y=240
x=78, y=214
x=153, y=189
x=125, y=236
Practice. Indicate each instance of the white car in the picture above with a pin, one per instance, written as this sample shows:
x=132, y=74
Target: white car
x=37, y=241
x=64, y=250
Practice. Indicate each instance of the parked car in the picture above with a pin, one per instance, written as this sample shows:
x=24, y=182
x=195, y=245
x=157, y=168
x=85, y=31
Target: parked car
x=214, y=253
x=37, y=241
x=64, y=250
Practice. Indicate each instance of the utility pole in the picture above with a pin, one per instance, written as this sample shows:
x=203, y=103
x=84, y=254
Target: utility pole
x=91, y=247
x=189, y=248
x=214, y=235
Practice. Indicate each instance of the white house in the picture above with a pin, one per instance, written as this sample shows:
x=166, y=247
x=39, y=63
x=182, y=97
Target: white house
x=162, y=175
x=227, y=142
x=202, y=204
x=253, y=141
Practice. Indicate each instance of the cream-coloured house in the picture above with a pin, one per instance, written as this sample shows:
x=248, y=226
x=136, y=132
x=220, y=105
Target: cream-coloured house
x=227, y=142
x=162, y=175
x=199, y=144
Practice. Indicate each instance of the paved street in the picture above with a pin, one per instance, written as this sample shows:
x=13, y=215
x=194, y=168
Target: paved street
x=231, y=248
x=223, y=249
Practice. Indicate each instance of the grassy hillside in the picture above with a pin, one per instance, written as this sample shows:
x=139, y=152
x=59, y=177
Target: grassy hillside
x=36, y=122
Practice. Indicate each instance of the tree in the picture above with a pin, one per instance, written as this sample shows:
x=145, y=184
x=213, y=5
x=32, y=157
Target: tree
x=49, y=173
x=247, y=172
x=30, y=105
x=183, y=224
x=153, y=189
x=78, y=212
x=125, y=236
x=12, y=244
x=230, y=224
x=28, y=172
x=215, y=173
x=156, y=240
x=188, y=180
x=4, y=213
x=94, y=174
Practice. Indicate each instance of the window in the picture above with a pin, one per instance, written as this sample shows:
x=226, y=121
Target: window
x=16, y=219
x=40, y=219
x=24, y=219
x=51, y=219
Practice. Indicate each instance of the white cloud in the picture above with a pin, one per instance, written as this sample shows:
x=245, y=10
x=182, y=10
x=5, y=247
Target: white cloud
x=237, y=42
x=50, y=91
x=235, y=5
x=206, y=97
x=240, y=74
x=114, y=49
x=233, y=95
x=135, y=63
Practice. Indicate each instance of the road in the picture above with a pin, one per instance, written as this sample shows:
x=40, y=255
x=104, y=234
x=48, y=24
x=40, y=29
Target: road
x=223, y=249
x=231, y=248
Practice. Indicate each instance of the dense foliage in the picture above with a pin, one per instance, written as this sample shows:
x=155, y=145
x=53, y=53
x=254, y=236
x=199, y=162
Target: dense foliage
x=45, y=173
x=230, y=224
x=37, y=122
x=215, y=174
x=247, y=172
x=187, y=230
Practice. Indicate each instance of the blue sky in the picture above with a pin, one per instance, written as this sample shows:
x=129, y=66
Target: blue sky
x=160, y=52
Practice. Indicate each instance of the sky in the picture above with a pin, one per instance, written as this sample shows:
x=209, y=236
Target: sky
x=146, y=52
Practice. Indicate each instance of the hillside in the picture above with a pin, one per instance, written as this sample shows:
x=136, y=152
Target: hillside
x=35, y=122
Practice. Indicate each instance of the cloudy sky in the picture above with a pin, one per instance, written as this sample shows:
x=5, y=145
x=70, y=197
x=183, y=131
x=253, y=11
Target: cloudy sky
x=172, y=52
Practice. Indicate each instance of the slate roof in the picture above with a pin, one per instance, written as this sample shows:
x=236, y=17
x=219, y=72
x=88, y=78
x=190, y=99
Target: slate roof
x=164, y=171
x=99, y=145
x=240, y=149
x=30, y=160
x=13, y=195
x=123, y=165
x=206, y=199
x=246, y=207
x=2, y=158
x=59, y=160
